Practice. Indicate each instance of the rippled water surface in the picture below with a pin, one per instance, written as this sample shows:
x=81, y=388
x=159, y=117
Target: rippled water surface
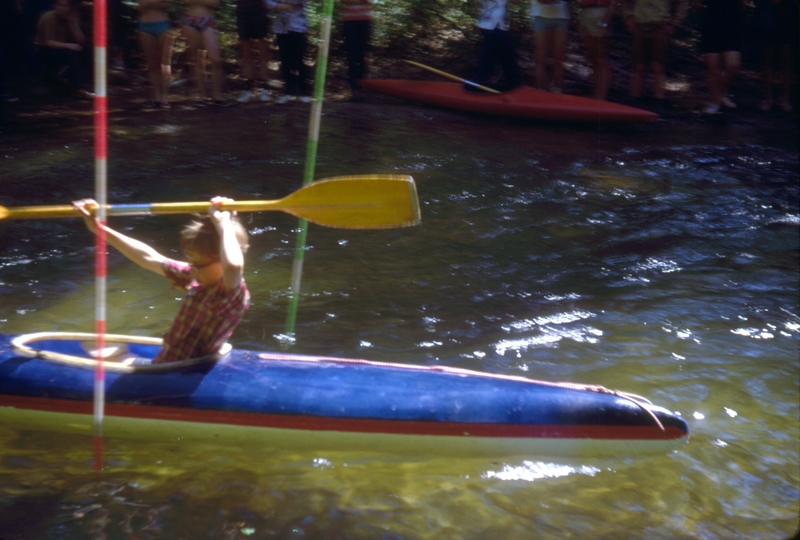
x=661, y=260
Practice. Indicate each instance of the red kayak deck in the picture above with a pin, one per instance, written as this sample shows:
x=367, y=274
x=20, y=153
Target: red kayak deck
x=523, y=102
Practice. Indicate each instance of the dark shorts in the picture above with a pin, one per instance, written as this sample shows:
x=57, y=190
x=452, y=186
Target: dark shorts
x=650, y=42
x=251, y=20
x=721, y=28
x=720, y=39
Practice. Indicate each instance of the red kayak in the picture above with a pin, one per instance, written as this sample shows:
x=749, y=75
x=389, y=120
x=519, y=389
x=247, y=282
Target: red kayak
x=523, y=102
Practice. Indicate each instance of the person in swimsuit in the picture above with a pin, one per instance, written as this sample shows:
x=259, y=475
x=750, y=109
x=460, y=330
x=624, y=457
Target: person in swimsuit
x=156, y=41
x=200, y=30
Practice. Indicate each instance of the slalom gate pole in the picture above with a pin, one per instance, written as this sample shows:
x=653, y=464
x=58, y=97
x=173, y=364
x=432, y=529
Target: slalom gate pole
x=311, y=158
x=100, y=185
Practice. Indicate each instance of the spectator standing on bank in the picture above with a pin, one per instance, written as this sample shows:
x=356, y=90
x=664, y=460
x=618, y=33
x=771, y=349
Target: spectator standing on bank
x=62, y=45
x=200, y=30
x=595, y=30
x=721, y=45
x=776, y=25
x=494, y=23
x=551, y=30
x=357, y=29
x=11, y=49
x=652, y=23
x=290, y=26
x=253, y=26
x=155, y=39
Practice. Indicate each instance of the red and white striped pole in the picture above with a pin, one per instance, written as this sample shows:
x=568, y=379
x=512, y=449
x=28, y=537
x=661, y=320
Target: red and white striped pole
x=100, y=181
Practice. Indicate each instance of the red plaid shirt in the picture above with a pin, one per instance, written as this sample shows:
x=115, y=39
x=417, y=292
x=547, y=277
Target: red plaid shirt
x=206, y=319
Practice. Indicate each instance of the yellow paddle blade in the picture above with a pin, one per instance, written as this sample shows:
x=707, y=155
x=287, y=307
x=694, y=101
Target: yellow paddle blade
x=357, y=202
x=350, y=202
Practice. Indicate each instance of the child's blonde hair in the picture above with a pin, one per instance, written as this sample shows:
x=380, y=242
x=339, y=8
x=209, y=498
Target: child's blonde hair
x=201, y=237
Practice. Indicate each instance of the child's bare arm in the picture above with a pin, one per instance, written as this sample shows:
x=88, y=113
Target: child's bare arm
x=230, y=252
x=136, y=251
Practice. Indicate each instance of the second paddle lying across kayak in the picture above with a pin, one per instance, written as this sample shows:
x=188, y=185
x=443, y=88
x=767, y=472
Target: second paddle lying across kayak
x=375, y=201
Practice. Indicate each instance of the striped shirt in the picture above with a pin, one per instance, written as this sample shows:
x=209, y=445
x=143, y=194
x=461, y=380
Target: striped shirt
x=206, y=319
x=361, y=11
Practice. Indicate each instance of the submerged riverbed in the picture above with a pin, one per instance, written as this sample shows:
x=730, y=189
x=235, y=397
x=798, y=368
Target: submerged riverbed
x=660, y=260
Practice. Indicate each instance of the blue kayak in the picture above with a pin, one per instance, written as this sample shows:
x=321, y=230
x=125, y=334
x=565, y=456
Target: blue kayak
x=297, y=401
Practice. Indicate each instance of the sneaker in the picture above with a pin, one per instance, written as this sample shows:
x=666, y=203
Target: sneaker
x=785, y=106
x=728, y=102
x=246, y=97
x=264, y=95
x=8, y=98
x=304, y=99
x=284, y=99
x=711, y=108
x=765, y=105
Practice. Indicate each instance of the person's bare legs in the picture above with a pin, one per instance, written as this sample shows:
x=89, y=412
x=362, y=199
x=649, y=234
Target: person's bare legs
x=263, y=58
x=786, y=71
x=768, y=77
x=597, y=50
x=560, y=36
x=167, y=40
x=150, y=46
x=722, y=68
x=714, y=77
x=731, y=63
x=209, y=36
x=542, y=41
x=658, y=79
x=247, y=59
x=197, y=53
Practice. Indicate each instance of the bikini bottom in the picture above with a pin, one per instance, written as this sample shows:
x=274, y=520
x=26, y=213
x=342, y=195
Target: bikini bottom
x=155, y=28
x=199, y=23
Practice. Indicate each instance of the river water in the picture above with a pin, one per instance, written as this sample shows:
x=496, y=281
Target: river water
x=660, y=260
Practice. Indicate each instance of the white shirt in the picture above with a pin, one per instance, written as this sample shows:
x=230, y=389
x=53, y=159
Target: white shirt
x=494, y=14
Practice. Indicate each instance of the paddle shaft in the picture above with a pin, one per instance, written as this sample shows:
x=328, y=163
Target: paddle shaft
x=454, y=77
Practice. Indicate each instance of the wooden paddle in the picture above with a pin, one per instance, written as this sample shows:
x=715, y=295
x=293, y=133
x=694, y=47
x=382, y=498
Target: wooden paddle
x=375, y=201
x=455, y=78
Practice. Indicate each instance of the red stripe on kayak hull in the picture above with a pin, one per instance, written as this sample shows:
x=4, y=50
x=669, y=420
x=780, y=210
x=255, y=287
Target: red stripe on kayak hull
x=354, y=425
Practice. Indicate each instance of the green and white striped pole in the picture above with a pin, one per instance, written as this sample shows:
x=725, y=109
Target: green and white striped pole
x=311, y=159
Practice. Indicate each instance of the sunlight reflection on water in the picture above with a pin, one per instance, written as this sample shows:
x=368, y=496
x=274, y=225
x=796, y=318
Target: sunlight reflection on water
x=680, y=252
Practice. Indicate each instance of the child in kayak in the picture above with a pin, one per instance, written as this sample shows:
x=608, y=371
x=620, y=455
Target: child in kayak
x=216, y=294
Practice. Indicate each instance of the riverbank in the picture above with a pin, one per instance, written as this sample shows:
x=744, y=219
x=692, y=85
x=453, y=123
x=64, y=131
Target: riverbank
x=128, y=90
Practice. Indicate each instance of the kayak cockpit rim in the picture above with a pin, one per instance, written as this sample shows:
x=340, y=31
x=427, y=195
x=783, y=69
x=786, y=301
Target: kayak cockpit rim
x=114, y=351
